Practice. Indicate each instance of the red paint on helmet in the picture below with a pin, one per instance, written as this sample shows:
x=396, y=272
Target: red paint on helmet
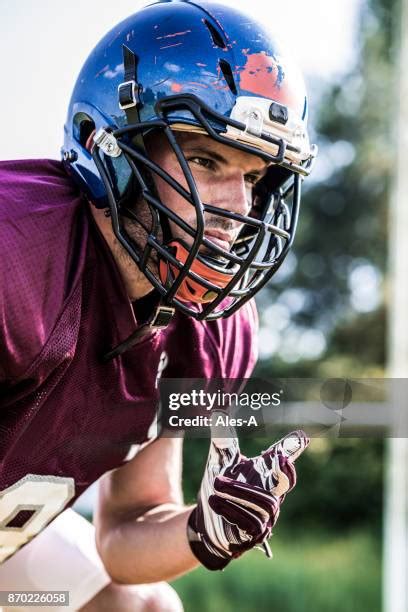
x=264, y=75
x=168, y=46
x=173, y=34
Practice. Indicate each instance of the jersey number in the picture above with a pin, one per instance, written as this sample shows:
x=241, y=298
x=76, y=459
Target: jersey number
x=28, y=506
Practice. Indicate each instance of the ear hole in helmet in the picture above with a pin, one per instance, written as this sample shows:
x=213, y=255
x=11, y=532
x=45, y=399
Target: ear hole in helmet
x=83, y=126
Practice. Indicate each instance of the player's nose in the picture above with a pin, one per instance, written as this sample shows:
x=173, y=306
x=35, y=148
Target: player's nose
x=235, y=197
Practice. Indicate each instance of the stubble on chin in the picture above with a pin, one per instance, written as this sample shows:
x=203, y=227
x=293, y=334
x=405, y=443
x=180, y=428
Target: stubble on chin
x=137, y=284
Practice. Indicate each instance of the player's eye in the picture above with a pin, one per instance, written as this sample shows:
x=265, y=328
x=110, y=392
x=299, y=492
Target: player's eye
x=252, y=179
x=204, y=162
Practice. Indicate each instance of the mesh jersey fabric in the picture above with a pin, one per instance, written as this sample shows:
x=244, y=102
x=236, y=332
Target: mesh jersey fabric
x=63, y=411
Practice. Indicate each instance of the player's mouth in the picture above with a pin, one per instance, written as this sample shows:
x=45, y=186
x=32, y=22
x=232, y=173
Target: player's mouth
x=221, y=239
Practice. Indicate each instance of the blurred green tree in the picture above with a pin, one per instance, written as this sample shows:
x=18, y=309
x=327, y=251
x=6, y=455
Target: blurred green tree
x=334, y=281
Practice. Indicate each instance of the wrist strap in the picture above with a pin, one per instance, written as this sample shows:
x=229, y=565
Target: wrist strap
x=208, y=555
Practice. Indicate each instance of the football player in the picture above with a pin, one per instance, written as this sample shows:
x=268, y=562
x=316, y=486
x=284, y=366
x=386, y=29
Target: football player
x=138, y=257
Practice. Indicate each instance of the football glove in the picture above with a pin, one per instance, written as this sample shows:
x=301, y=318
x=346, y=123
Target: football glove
x=239, y=499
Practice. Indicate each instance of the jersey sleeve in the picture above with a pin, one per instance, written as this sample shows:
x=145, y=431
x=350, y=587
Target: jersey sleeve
x=37, y=211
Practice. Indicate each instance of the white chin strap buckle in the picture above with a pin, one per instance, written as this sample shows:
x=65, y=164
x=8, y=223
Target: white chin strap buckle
x=107, y=143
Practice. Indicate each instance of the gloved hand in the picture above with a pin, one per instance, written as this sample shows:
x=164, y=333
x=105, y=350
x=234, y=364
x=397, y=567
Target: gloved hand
x=240, y=498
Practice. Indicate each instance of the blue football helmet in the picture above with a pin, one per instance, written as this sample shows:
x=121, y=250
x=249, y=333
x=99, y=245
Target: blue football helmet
x=201, y=67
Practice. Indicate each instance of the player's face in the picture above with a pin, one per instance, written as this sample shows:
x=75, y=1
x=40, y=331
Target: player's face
x=224, y=177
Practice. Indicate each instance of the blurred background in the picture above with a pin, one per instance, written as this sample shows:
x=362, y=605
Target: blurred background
x=325, y=313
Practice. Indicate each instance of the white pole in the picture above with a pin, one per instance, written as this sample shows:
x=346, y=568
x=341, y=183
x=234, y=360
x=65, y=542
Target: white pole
x=395, y=569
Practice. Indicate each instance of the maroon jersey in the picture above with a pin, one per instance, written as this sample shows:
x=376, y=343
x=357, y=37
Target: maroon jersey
x=66, y=416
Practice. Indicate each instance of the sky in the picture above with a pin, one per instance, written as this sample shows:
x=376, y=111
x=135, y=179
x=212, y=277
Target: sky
x=43, y=44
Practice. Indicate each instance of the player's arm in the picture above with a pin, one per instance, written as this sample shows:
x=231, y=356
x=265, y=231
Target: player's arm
x=146, y=534
x=141, y=520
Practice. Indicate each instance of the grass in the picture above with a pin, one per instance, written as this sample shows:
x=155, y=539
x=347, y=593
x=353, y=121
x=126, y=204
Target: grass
x=309, y=573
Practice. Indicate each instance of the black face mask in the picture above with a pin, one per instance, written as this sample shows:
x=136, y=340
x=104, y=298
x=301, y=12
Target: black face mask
x=226, y=279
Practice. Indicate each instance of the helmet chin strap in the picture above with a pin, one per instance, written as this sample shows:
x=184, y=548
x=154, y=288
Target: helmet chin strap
x=191, y=290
